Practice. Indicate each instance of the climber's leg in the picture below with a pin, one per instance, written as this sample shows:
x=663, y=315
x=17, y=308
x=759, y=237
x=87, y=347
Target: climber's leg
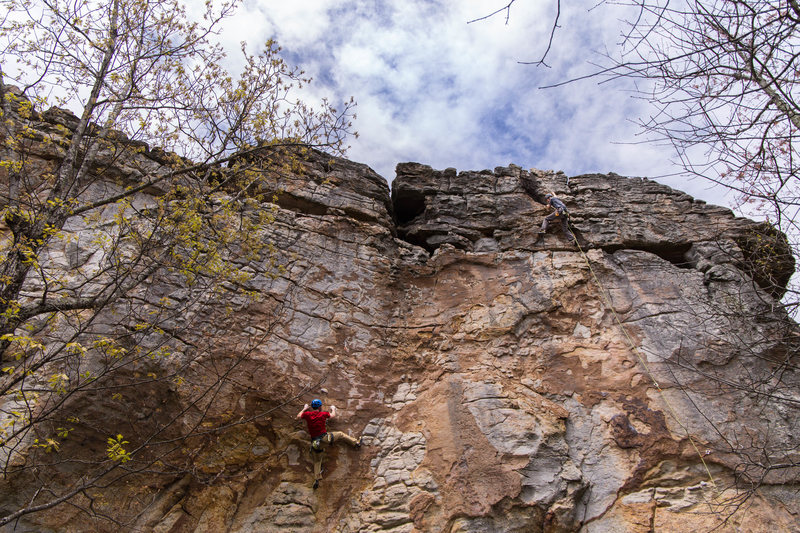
x=316, y=457
x=547, y=220
x=340, y=436
x=565, y=226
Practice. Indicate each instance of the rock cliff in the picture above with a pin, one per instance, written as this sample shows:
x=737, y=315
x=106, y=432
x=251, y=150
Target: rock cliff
x=500, y=382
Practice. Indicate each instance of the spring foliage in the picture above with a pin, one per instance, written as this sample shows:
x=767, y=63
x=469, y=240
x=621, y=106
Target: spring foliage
x=92, y=214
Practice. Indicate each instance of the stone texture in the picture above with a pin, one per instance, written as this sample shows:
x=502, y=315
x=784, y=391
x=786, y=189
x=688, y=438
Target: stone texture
x=494, y=387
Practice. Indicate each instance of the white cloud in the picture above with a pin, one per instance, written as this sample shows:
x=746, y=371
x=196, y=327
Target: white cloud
x=434, y=89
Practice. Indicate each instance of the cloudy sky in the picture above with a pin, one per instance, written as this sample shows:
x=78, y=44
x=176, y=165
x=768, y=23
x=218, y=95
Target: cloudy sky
x=433, y=88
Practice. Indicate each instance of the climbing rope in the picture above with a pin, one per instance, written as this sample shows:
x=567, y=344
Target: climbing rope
x=609, y=305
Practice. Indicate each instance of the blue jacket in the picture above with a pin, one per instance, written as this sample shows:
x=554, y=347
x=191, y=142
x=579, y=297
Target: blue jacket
x=558, y=205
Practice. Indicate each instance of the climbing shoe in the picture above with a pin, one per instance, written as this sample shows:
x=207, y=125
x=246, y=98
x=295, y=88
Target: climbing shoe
x=316, y=484
x=358, y=442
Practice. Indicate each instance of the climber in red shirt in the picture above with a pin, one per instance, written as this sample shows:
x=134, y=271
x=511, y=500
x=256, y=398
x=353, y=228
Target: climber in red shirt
x=316, y=419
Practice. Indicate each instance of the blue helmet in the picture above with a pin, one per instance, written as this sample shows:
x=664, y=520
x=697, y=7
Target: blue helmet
x=316, y=403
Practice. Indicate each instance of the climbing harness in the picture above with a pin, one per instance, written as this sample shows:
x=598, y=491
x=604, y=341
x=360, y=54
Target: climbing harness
x=607, y=302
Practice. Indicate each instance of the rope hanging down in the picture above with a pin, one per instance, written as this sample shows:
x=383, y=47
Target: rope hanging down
x=606, y=301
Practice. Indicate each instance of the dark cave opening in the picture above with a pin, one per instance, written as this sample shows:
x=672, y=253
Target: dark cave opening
x=674, y=253
x=408, y=205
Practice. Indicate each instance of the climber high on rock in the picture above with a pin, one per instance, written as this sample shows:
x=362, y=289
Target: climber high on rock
x=316, y=419
x=559, y=213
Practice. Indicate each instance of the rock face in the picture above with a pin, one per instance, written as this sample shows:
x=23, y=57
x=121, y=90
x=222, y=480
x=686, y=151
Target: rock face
x=501, y=383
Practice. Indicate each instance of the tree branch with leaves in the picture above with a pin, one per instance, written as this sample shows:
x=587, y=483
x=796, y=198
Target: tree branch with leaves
x=93, y=218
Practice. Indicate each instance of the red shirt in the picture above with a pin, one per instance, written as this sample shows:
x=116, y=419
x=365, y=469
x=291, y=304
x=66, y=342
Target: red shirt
x=316, y=422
